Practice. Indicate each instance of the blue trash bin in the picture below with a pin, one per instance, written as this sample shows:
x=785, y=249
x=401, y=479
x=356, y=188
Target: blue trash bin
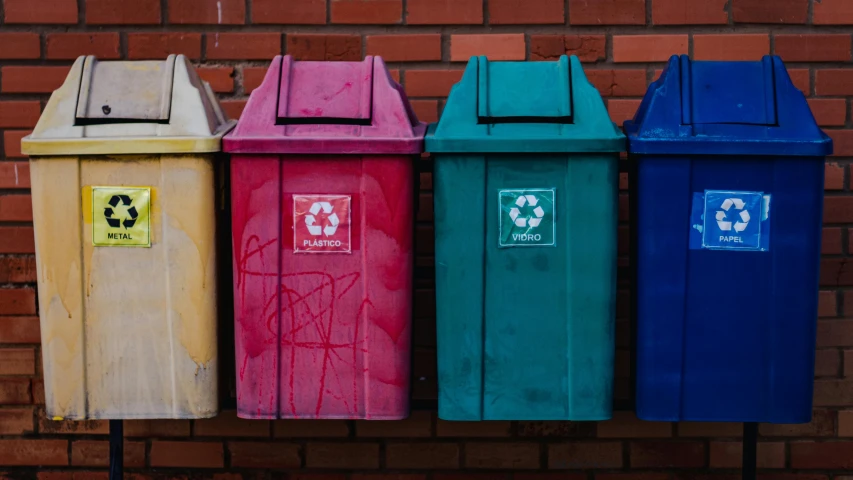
x=727, y=200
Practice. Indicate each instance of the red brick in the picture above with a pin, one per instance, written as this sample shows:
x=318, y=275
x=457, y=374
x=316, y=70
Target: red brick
x=17, y=240
x=472, y=429
x=17, y=301
x=324, y=47
x=444, y=12
x=69, y=46
x=833, y=393
x=405, y=48
x=419, y=424
x=838, y=209
x=583, y=455
x=618, y=83
x=16, y=208
x=647, y=48
x=831, y=241
x=422, y=455
x=32, y=79
x=845, y=421
x=848, y=369
x=709, y=429
x=833, y=12
x=252, y=78
x=588, y=48
x=829, y=112
x=93, y=453
x=242, y=46
x=41, y=11
x=15, y=391
x=310, y=428
x=233, y=108
x=607, y=12
x=186, y=454
x=19, y=114
x=832, y=81
x=801, y=79
x=827, y=305
x=813, y=48
x=367, y=12
x=502, y=455
x=835, y=272
x=221, y=79
x=16, y=421
x=19, y=46
x=264, y=455
x=835, y=333
x=829, y=455
x=425, y=110
x=667, y=454
x=144, y=46
x=156, y=428
x=48, y=453
x=220, y=12
x=729, y=455
x=19, y=330
x=431, y=83
x=689, y=12
x=342, y=455
x=519, y=12
x=842, y=141
x=72, y=427
x=290, y=12
x=730, y=47
x=627, y=425
x=227, y=424
x=762, y=11
x=495, y=47
x=827, y=362
x=38, y=391
x=122, y=12
x=621, y=110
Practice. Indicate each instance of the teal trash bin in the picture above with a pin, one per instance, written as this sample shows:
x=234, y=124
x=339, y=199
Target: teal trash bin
x=525, y=182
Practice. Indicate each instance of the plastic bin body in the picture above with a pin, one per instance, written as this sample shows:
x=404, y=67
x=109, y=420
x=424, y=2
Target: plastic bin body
x=726, y=334
x=525, y=332
x=128, y=331
x=324, y=334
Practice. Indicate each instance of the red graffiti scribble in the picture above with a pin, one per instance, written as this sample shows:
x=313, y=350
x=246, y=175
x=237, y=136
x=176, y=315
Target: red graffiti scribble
x=308, y=300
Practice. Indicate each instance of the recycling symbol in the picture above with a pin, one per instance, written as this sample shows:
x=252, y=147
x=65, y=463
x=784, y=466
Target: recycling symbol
x=311, y=220
x=113, y=220
x=742, y=218
x=532, y=220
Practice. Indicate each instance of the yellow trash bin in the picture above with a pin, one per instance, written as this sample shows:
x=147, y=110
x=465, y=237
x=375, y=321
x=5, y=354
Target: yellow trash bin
x=122, y=173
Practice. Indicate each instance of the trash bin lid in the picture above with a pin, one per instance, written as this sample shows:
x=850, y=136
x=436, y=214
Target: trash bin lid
x=524, y=107
x=327, y=108
x=129, y=107
x=744, y=108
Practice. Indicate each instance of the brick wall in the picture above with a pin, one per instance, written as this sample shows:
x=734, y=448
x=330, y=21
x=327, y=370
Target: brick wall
x=426, y=42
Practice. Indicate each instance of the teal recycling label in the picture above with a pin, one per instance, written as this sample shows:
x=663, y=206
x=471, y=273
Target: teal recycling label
x=527, y=218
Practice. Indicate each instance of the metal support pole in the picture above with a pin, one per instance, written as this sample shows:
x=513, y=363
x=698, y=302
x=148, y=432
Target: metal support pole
x=750, y=447
x=116, y=450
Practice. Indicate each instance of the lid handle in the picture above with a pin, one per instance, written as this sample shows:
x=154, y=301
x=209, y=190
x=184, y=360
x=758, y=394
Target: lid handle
x=520, y=92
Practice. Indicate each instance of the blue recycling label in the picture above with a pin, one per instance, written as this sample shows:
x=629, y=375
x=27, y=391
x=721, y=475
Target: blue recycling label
x=730, y=220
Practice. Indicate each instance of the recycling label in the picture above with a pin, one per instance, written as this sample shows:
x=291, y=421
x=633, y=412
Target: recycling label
x=731, y=220
x=321, y=224
x=527, y=218
x=121, y=216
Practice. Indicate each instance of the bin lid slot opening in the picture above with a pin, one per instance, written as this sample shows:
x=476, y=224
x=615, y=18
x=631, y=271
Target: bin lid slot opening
x=125, y=92
x=539, y=93
x=742, y=93
x=325, y=93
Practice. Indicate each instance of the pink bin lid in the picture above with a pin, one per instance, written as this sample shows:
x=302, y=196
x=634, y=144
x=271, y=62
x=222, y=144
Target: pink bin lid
x=327, y=108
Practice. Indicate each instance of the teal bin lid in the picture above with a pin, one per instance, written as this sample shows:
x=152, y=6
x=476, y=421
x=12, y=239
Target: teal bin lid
x=545, y=107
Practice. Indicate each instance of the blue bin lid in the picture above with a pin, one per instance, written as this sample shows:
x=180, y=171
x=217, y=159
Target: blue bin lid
x=725, y=108
x=524, y=107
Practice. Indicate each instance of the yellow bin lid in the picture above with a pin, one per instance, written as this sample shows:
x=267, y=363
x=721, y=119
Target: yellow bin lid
x=130, y=108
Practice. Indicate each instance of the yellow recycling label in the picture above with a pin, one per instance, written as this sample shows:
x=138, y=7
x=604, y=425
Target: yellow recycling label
x=121, y=216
